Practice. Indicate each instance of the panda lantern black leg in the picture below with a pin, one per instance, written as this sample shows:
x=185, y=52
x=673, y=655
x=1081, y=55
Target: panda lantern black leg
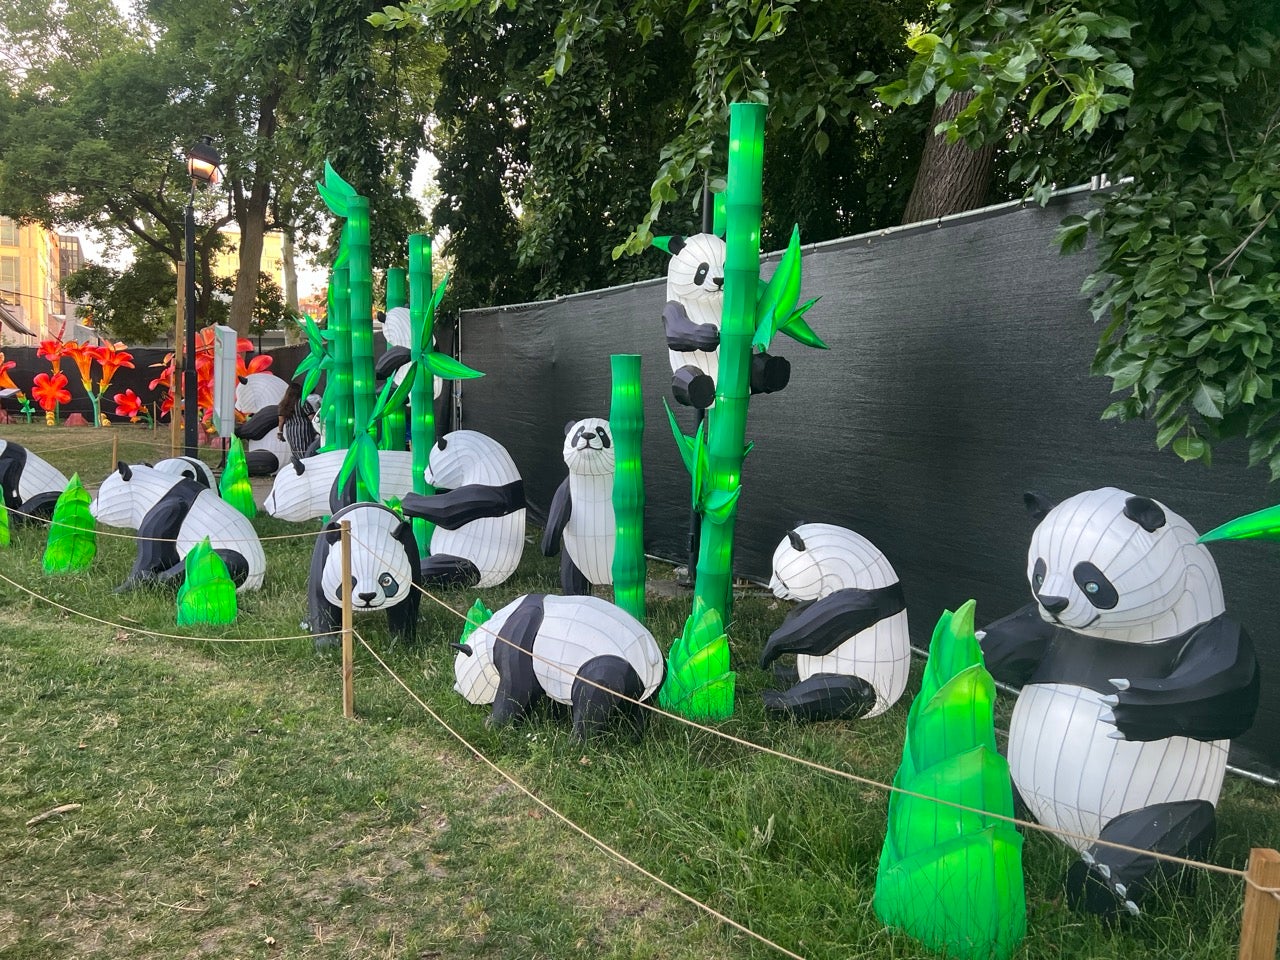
x=573, y=583
x=824, y=696
x=593, y=695
x=1106, y=880
x=693, y=388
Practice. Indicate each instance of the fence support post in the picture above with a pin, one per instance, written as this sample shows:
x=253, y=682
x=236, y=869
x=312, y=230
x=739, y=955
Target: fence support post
x=115, y=451
x=348, y=672
x=1261, y=920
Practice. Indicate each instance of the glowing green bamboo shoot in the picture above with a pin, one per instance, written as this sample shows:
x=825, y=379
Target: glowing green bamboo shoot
x=626, y=420
x=4, y=524
x=208, y=594
x=72, y=542
x=234, y=485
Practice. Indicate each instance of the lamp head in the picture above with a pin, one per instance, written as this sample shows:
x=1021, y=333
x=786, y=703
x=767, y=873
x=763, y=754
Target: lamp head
x=202, y=161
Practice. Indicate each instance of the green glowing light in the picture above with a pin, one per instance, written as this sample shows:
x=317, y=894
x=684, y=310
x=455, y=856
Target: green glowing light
x=72, y=542
x=626, y=421
x=208, y=594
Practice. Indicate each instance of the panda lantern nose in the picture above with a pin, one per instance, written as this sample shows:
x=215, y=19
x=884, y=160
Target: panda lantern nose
x=718, y=281
x=1055, y=605
x=366, y=597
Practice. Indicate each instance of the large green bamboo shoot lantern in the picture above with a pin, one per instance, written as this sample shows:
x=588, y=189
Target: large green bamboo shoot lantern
x=626, y=421
x=4, y=524
x=948, y=877
x=72, y=542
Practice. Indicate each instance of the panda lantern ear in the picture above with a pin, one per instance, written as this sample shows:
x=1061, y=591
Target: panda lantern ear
x=1145, y=512
x=1037, y=504
x=672, y=245
x=298, y=466
x=797, y=542
x=126, y=473
x=463, y=648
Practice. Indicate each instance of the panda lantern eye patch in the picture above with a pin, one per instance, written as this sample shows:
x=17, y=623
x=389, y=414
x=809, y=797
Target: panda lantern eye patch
x=1098, y=590
x=1037, y=574
x=701, y=275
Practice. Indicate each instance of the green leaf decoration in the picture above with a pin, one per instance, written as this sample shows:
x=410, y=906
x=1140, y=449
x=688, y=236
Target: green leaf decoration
x=701, y=466
x=343, y=253
x=699, y=683
x=72, y=542
x=1261, y=525
x=334, y=191
x=234, y=485
x=952, y=878
x=780, y=295
x=478, y=615
x=394, y=394
x=684, y=443
x=447, y=368
x=207, y=596
x=718, y=507
x=798, y=329
x=663, y=244
x=4, y=525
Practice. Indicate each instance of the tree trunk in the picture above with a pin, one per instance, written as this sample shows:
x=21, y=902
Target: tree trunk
x=953, y=177
x=252, y=217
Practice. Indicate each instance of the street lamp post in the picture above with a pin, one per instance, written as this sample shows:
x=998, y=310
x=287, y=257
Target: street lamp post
x=202, y=167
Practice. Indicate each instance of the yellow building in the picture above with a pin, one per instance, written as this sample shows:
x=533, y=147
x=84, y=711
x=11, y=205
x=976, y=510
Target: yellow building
x=226, y=263
x=32, y=304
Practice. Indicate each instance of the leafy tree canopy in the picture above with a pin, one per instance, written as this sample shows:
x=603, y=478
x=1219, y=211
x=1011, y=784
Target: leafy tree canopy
x=136, y=305
x=1177, y=102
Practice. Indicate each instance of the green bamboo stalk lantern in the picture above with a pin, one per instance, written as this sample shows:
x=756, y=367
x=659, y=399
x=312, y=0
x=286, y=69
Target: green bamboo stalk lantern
x=397, y=287
x=360, y=277
x=952, y=878
x=699, y=683
x=422, y=424
x=340, y=334
x=72, y=542
x=391, y=436
x=207, y=596
x=234, y=485
x=626, y=420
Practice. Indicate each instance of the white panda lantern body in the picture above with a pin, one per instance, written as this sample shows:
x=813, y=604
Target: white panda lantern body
x=254, y=394
x=816, y=560
x=302, y=491
x=541, y=644
x=1165, y=584
x=492, y=544
x=179, y=513
x=591, y=533
x=695, y=285
x=191, y=468
x=28, y=483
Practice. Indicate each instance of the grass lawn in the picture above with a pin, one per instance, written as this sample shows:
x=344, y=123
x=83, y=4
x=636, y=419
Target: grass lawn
x=226, y=809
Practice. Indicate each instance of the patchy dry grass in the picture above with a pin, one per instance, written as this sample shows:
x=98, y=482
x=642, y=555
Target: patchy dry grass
x=227, y=810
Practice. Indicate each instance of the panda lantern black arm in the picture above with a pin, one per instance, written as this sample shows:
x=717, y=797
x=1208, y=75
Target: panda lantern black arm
x=259, y=424
x=1013, y=646
x=817, y=628
x=390, y=362
x=557, y=519
x=461, y=506
x=1211, y=693
x=685, y=336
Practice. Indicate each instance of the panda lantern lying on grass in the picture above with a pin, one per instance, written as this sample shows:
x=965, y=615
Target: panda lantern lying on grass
x=1133, y=681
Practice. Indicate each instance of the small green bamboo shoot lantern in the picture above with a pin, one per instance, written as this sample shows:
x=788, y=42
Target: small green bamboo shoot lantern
x=72, y=542
x=234, y=485
x=207, y=596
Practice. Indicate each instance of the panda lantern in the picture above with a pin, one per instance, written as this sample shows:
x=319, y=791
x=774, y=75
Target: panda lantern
x=573, y=650
x=849, y=633
x=581, y=512
x=1133, y=681
x=258, y=396
x=29, y=485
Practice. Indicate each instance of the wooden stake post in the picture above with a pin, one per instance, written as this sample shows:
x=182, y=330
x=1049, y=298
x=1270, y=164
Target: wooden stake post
x=115, y=451
x=348, y=689
x=1261, y=920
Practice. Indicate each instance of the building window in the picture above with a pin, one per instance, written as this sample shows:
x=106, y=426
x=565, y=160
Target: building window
x=10, y=288
x=8, y=232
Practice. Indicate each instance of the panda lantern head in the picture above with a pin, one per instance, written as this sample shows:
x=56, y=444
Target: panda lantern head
x=129, y=492
x=380, y=571
x=1108, y=564
x=816, y=559
x=475, y=676
x=588, y=447
x=696, y=270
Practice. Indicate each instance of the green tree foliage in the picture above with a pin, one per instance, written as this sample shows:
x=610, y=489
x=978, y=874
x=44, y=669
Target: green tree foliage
x=566, y=131
x=1177, y=102
x=135, y=304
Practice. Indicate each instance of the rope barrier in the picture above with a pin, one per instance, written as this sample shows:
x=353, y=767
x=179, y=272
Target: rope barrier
x=832, y=771
x=621, y=858
x=130, y=628
x=132, y=536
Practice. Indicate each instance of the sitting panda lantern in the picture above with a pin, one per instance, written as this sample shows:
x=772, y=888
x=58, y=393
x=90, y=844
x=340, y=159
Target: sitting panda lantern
x=578, y=651
x=307, y=489
x=258, y=396
x=1133, y=683
x=29, y=485
x=850, y=631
